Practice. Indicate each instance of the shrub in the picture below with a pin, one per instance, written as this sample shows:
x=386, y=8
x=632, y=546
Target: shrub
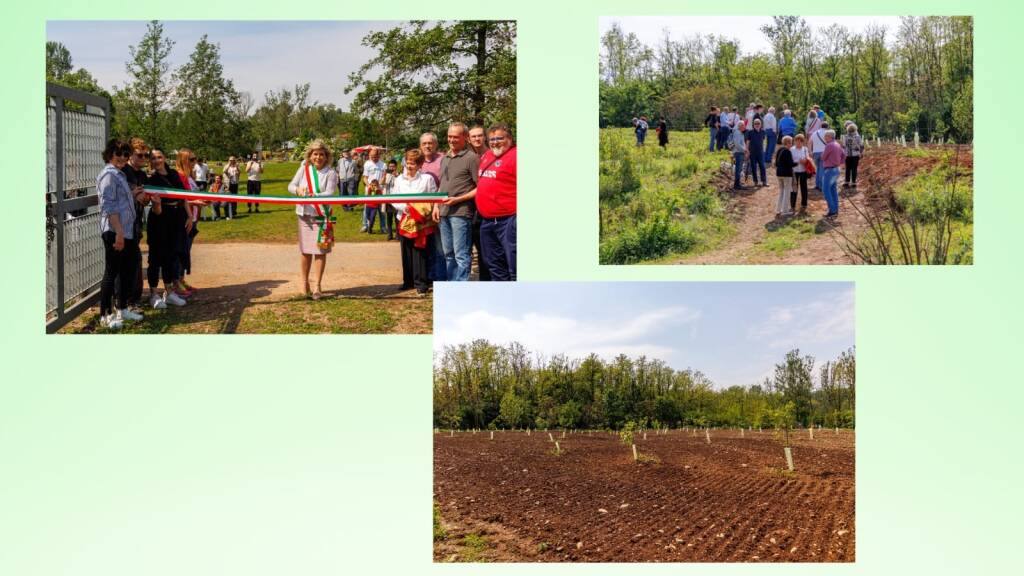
x=647, y=240
x=704, y=202
x=686, y=168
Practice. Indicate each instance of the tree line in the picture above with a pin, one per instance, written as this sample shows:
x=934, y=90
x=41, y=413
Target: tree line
x=425, y=76
x=484, y=385
x=917, y=78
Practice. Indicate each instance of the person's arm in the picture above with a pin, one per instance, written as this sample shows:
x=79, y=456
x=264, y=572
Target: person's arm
x=296, y=186
x=106, y=189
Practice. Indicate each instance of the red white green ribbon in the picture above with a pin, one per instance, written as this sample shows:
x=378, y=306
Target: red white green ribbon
x=178, y=194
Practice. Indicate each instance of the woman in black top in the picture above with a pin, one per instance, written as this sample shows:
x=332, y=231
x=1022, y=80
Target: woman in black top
x=784, y=170
x=167, y=233
x=662, y=132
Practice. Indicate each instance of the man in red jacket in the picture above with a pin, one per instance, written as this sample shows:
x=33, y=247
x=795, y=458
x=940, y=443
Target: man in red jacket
x=496, y=202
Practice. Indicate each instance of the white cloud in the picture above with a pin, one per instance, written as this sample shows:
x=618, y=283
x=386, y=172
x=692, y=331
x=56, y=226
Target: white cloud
x=803, y=324
x=550, y=334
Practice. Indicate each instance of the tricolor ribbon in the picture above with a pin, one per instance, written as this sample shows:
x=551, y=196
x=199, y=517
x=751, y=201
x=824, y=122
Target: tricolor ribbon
x=179, y=194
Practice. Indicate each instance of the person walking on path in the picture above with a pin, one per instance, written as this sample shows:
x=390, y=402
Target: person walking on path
x=787, y=125
x=853, y=145
x=801, y=160
x=832, y=157
x=737, y=145
x=818, y=143
x=771, y=134
x=784, y=171
x=755, y=151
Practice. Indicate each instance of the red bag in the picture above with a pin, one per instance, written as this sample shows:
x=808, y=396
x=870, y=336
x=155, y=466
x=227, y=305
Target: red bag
x=809, y=167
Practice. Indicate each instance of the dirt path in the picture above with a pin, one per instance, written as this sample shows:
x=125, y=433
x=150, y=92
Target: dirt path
x=752, y=212
x=270, y=272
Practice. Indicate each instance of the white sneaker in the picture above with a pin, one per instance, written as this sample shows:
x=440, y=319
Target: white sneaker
x=156, y=302
x=171, y=298
x=129, y=316
x=111, y=321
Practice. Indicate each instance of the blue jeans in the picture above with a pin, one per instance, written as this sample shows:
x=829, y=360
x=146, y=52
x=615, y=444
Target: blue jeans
x=498, y=247
x=437, y=270
x=830, y=177
x=769, y=152
x=714, y=138
x=757, y=167
x=349, y=187
x=457, y=243
x=817, y=175
x=369, y=215
x=738, y=159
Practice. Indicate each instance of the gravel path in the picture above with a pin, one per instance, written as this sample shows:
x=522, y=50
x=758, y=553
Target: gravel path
x=270, y=272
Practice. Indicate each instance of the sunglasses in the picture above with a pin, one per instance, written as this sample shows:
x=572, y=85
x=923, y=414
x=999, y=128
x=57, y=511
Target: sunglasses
x=496, y=139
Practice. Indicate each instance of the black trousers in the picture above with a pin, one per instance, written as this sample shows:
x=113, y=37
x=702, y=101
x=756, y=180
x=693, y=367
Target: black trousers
x=801, y=184
x=414, y=265
x=851, y=169
x=253, y=188
x=119, y=266
x=167, y=242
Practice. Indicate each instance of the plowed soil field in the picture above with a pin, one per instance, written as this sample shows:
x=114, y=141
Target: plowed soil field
x=687, y=501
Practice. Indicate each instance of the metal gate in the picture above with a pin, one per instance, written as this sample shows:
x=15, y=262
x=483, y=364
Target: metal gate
x=77, y=128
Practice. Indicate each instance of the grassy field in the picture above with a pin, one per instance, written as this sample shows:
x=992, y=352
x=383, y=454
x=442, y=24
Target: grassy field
x=658, y=202
x=276, y=223
x=390, y=315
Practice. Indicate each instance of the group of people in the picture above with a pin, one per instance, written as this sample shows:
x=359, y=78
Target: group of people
x=478, y=174
x=816, y=153
x=170, y=227
x=227, y=183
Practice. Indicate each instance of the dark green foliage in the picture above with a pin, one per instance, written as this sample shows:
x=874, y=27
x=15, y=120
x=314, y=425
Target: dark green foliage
x=480, y=384
x=647, y=240
x=428, y=74
x=918, y=77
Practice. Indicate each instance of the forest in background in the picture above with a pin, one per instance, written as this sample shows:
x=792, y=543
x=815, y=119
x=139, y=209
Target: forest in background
x=484, y=385
x=424, y=75
x=890, y=82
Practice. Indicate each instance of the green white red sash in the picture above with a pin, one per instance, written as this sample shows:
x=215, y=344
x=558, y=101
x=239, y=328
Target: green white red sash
x=325, y=235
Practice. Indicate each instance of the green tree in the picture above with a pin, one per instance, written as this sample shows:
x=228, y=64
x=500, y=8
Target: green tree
x=204, y=100
x=427, y=75
x=143, y=101
x=514, y=410
x=58, y=61
x=794, y=381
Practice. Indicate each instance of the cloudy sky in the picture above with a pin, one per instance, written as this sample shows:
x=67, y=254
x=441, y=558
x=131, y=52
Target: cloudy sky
x=257, y=56
x=745, y=29
x=734, y=332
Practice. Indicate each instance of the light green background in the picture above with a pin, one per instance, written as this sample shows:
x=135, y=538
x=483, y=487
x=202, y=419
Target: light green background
x=240, y=456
